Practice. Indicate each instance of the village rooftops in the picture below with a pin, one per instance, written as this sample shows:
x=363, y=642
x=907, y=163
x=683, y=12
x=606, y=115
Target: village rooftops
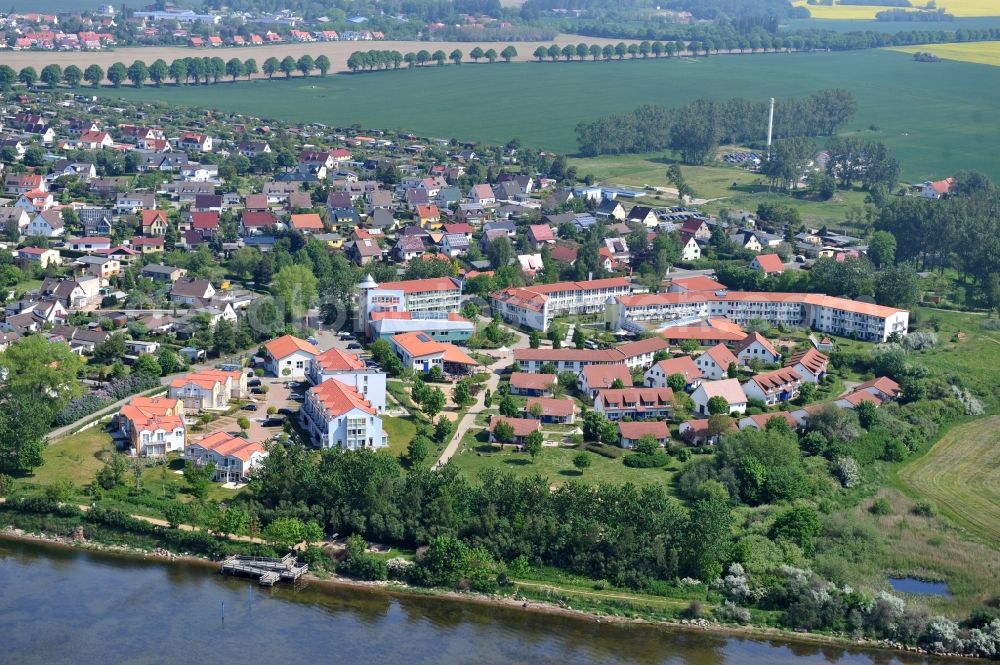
x=529, y=381
x=775, y=379
x=684, y=365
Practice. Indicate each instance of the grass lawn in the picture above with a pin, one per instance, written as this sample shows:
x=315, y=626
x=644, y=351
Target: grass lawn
x=401, y=431
x=723, y=186
x=961, y=475
x=935, y=118
x=76, y=458
x=555, y=464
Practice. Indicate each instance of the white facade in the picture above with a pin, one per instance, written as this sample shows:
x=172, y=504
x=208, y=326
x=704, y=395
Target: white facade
x=330, y=426
x=729, y=389
x=297, y=364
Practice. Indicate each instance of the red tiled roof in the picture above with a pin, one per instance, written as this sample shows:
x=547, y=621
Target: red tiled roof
x=770, y=263
x=776, y=379
x=755, y=337
x=640, y=428
x=811, y=359
x=684, y=365
x=335, y=360
x=339, y=398
x=603, y=376
x=722, y=356
x=521, y=426
x=551, y=406
x=529, y=381
x=286, y=345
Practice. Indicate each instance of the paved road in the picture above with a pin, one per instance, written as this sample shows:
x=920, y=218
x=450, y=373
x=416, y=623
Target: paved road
x=469, y=419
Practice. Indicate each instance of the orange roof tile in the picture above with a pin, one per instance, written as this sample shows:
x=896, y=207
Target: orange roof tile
x=286, y=345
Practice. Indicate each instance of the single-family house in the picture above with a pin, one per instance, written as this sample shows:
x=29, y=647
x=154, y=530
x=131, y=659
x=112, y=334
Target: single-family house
x=769, y=264
x=630, y=433
x=189, y=291
x=714, y=363
x=522, y=428
x=234, y=457
x=154, y=426
x=810, y=364
x=289, y=356
x=532, y=385
x=756, y=346
x=659, y=374
x=728, y=389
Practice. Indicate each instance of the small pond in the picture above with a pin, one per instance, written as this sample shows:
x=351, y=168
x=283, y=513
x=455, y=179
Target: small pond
x=913, y=585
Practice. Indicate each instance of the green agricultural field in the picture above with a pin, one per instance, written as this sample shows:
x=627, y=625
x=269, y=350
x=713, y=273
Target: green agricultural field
x=936, y=117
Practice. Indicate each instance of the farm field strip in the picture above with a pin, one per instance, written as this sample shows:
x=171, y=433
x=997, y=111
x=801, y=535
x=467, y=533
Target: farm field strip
x=337, y=52
x=934, y=116
x=983, y=53
x=961, y=475
x=957, y=8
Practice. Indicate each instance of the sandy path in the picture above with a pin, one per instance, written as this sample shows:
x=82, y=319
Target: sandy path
x=337, y=52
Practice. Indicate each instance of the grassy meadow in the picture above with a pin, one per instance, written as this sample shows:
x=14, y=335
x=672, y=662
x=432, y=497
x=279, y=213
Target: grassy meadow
x=983, y=53
x=935, y=117
x=722, y=186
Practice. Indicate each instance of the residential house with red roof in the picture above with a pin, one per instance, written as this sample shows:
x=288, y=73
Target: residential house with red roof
x=760, y=420
x=289, y=356
x=154, y=426
x=659, y=374
x=715, y=362
x=208, y=390
x=234, y=457
x=421, y=353
x=630, y=433
x=154, y=223
x=522, y=428
x=810, y=364
x=769, y=264
x=539, y=235
x=532, y=385
x=779, y=385
x=551, y=410
x=756, y=346
x=594, y=378
x=728, y=389
x=635, y=403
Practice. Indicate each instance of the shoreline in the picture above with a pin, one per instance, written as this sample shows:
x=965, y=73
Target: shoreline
x=399, y=590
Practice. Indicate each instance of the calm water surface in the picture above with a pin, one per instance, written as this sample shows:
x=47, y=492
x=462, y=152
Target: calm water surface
x=59, y=606
x=913, y=585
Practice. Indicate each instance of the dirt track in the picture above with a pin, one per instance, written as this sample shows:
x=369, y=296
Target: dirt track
x=337, y=52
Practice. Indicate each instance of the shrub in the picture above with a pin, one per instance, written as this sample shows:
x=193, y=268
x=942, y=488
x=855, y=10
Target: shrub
x=923, y=508
x=653, y=461
x=733, y=613
x=846, y=470
x=881, y=507
x=604, y=451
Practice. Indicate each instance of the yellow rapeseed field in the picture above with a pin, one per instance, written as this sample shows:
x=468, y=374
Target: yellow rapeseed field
x=958, y=8
x=983, y=53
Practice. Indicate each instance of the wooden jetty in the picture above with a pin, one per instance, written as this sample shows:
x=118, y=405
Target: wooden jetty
x=269, y=571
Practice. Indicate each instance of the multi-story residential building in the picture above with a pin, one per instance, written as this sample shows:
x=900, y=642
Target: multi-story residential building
x=635, y=403
x=436, y=294
x=566, y=360
x=337, y=416
x=421, y=354
x=349, y=369
x=154, y=426
x=839, y=316
x=810, y=364
x=234, y=457
x=535, y=306
x=209, y=389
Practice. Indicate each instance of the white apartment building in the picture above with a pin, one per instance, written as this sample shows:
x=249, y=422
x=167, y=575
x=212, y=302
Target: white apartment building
x=837, y=316
x=535, y=306
x=347, y=368
x=337, y=416
x=439, y=294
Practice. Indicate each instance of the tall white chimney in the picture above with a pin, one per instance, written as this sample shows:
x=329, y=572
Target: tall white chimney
x=770, y=127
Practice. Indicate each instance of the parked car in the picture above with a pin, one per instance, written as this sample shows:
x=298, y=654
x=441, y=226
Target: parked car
x=297, y=397
x=274, y=421
x=249, y=407
x=312, y=340
x=257, y=390
x=353, y=345
x=253, y=383
x=285, y=411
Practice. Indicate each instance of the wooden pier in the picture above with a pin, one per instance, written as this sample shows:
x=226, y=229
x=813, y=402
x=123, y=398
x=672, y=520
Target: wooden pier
x=268, y=571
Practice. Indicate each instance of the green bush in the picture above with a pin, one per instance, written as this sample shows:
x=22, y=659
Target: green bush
x=641, y=461
x=881, y=507
x=605, y=451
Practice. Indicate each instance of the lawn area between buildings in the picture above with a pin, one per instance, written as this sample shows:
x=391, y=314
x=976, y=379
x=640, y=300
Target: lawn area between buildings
x=401, y=431
x=930, y=115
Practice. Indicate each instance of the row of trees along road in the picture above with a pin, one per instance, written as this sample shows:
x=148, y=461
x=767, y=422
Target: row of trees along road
x=375, y=59
x=182, y=70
